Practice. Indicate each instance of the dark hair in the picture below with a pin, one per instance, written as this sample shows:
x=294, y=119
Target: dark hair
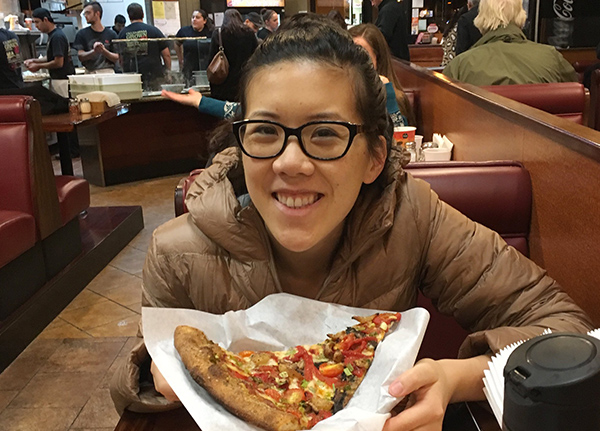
x=376, y=40
x=41, y=13
x=266, y=14
x=314, y=38
x=455, y=16
x=233, y=23
x=203, y=13
x=96, y=7
x=337, y=17
x=135, y=11
x=119, y=19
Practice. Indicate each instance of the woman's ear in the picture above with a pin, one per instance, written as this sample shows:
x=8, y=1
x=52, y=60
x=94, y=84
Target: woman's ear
x=377, y=162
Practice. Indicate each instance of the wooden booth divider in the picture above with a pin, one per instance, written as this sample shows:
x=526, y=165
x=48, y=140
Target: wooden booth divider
x=562, y=157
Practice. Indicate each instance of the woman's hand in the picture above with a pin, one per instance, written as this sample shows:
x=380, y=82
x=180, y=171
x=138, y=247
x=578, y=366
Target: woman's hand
x=193, y=97
x=431, y=386
x=161, y=385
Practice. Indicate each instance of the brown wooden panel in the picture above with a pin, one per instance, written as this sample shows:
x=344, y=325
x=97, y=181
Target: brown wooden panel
x=563, y=159
x=155, y=132
x=579, y=54
x=426, y=55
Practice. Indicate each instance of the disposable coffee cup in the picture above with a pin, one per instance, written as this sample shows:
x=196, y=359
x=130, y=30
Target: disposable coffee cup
x=437, y=154
x=404, y=134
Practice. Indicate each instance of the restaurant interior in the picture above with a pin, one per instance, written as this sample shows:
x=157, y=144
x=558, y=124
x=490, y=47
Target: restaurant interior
x=525, y=162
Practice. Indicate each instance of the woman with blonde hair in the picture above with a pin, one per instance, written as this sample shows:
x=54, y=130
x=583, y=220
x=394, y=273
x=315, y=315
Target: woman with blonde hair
x=370, y=37
x=504, y=55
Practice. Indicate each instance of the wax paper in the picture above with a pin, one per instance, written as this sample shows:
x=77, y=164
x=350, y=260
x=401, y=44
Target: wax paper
x=278, y=322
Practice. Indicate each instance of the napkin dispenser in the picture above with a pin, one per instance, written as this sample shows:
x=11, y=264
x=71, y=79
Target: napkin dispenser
x=552, y=383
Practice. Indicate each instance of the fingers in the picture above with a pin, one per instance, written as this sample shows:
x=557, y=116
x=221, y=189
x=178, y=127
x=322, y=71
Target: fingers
x=192, y=98
x=423, y=374
x=425, y=412
x=161, y=385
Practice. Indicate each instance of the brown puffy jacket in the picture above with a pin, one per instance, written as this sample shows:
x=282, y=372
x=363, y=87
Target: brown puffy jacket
x=399, y=238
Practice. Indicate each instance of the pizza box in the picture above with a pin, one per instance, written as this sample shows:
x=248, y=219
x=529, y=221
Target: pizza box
x=278, y=322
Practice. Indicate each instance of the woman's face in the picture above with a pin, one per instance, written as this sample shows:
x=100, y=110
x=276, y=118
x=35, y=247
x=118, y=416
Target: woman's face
x=303, y=201
x=359, y=40
x=198, y=21
x=273, y=22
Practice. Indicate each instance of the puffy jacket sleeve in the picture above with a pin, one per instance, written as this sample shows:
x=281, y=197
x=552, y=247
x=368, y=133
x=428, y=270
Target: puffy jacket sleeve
x=132, y=387
x=490, y=288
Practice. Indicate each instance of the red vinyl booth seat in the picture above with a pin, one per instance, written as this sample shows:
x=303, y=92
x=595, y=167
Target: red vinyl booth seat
x=73, y=196
x=569, y=100
x=17, y=235
x=496, y=194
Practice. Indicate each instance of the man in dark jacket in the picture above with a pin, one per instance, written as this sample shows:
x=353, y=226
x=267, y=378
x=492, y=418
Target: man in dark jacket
x=393, y=23
x=466, y=32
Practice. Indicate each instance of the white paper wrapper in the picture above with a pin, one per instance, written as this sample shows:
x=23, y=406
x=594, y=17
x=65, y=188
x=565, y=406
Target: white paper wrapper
x=276, y=323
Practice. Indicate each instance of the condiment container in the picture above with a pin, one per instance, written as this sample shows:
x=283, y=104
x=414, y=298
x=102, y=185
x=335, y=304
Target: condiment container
x=85, y=106
x=74, y=107
x=552, y=383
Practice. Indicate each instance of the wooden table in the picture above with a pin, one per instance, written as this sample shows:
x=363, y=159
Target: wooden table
x=459, y=417
x=63, y=124
x=156, y=138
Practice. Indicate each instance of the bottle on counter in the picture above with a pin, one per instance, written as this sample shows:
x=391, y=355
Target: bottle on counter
x=74, y=107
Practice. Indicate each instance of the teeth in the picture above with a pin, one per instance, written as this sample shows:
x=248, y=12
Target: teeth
x=296, y=202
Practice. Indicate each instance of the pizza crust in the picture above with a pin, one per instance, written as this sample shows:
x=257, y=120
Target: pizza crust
x=200, y=357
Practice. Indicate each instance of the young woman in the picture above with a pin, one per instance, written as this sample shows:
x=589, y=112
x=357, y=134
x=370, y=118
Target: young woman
x=271, y=22
x=332, y=216
x=370, y=38
x=239, y=43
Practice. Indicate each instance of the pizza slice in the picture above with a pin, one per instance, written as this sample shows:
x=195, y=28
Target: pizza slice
x=287, y=390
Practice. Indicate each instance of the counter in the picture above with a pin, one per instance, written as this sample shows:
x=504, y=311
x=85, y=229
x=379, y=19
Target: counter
x=157, y=137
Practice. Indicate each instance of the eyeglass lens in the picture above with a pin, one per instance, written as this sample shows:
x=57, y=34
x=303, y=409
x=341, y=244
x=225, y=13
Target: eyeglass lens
x=321, y=140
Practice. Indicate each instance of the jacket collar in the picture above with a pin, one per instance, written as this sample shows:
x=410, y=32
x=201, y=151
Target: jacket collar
x=240, y=231
x=509, y=34
x=383, y=3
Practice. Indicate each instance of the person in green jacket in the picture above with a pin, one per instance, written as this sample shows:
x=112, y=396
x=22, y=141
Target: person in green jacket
x=504, y=55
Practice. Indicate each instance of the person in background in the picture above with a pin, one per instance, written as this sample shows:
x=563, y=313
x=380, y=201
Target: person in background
x=58, y=53
x=119, y=24
x=270, y=23
x=366, y=35
x=94, y=43
x=10, y=60
x=189, y=52
x=370, y=38
x=254, y=22
x=337, y=17
x=393, y=23
x=144, y=57
x=327, y=212
x=449, y=38
x=239, y=43
x=504, y=55
x=466, y=31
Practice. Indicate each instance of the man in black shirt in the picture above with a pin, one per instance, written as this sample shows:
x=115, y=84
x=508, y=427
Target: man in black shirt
x=93, y=43
x=10, y=60
x=144, y=57
x=194, y=51
x=58, y=53
x=393, y=23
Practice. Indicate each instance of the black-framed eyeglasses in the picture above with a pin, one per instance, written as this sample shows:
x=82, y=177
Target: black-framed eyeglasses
x=321, y=140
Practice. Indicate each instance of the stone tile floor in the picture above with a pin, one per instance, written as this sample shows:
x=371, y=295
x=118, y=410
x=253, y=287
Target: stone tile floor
x=60, y=382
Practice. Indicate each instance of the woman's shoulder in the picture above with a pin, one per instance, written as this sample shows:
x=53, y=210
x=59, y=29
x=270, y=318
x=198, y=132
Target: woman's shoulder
x=181, y=236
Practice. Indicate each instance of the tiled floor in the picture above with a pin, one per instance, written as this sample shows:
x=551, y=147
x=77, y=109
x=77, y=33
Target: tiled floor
x=60, y=382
